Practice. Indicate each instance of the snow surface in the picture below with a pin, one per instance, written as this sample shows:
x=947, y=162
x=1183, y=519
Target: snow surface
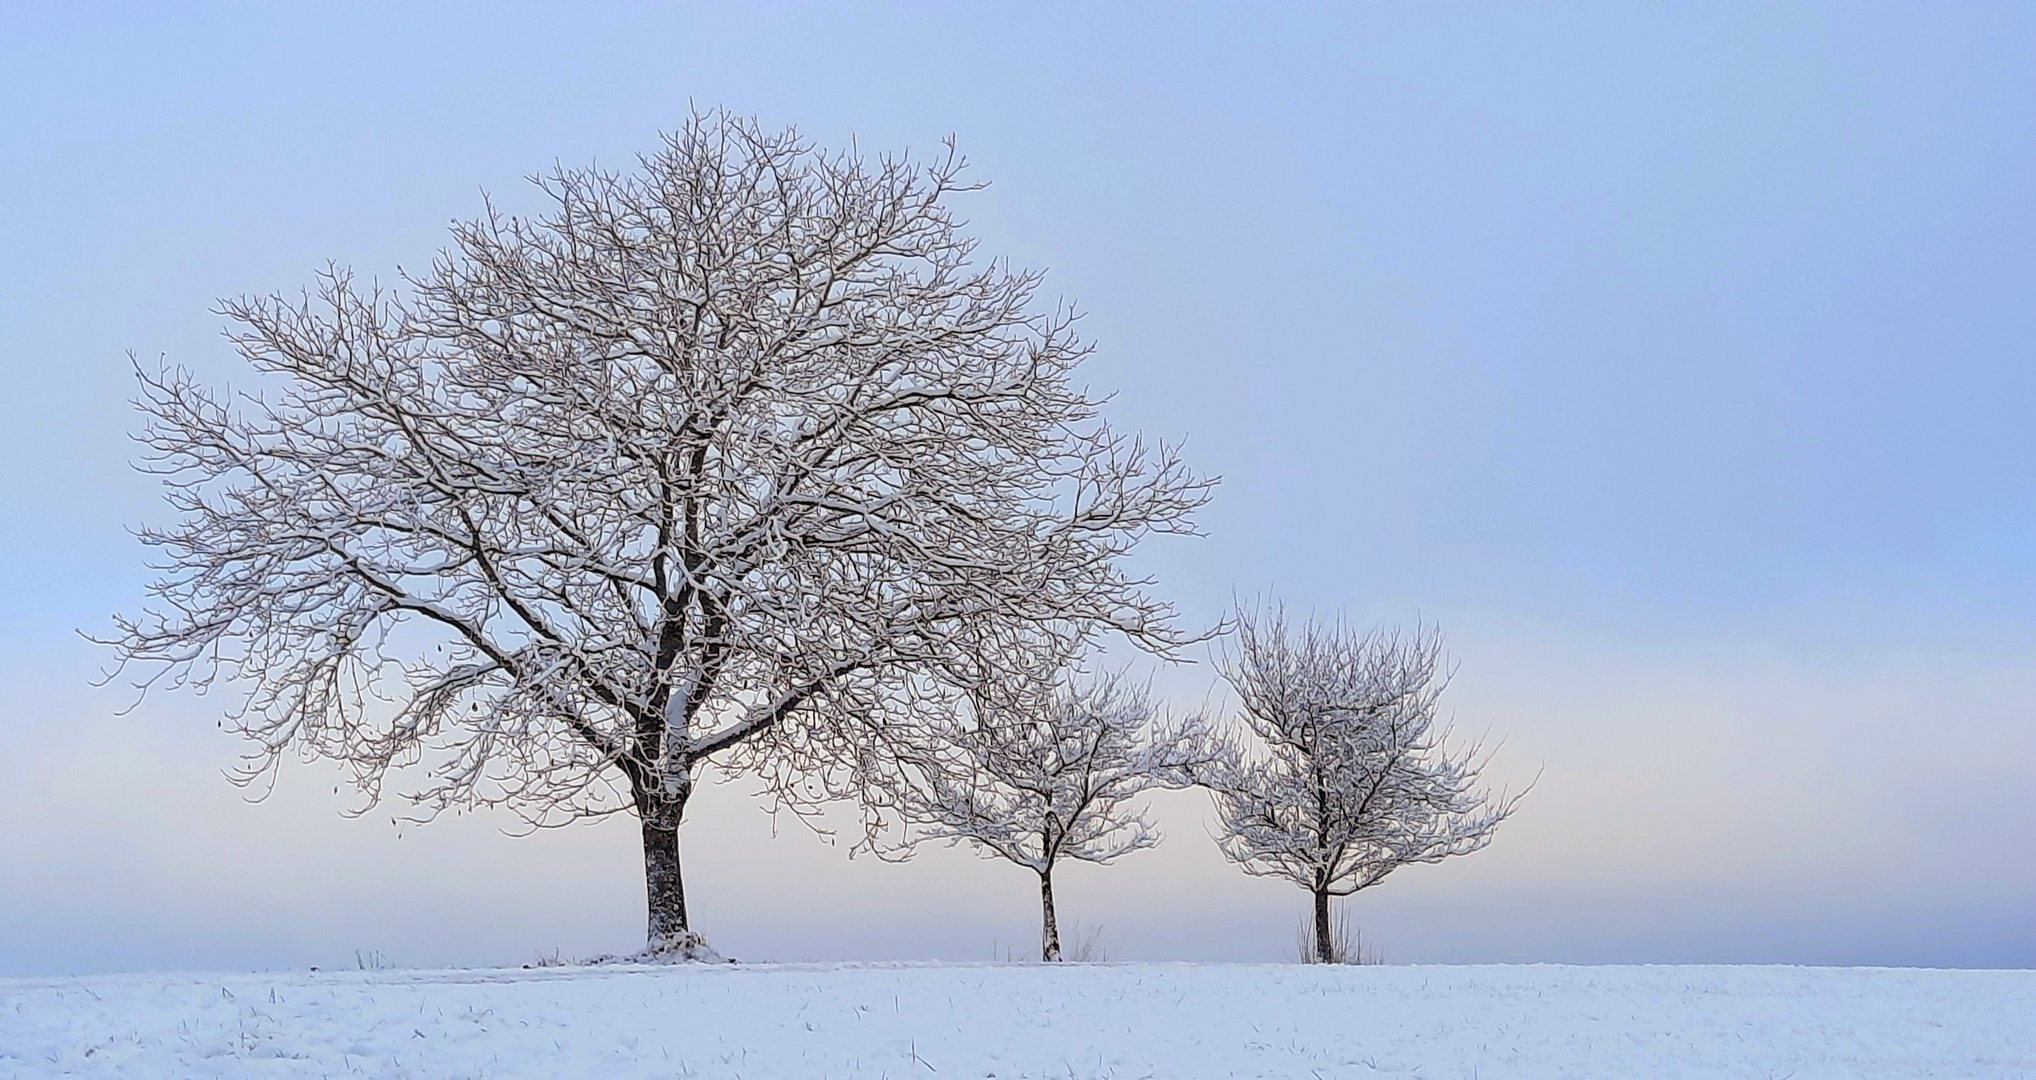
x=1012, y=1021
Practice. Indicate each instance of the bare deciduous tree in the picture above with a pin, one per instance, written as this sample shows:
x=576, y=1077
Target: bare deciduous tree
x=1350, y=778
x=733, y=457
x=1047, y=771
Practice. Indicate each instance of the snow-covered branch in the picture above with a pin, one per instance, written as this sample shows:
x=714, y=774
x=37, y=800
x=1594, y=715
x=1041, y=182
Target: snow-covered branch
x=1345, y=776
x=1044, y=768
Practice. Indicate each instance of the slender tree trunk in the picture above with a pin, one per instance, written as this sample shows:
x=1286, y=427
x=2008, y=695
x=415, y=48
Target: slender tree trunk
x=1325, y=951
x=1049, y=928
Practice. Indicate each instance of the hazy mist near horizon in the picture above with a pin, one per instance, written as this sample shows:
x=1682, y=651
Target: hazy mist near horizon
x=1675, y=359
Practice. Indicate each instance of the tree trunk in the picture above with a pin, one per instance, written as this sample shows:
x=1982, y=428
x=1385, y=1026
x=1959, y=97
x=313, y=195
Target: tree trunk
x=670, y=936
x=664, y=885
x=1049, y=928
x=1325, y=951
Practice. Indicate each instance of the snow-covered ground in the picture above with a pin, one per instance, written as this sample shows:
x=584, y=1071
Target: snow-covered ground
x=1010, y=1021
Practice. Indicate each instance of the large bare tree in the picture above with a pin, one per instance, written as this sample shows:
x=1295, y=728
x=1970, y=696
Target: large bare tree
x=1346, y=776
x=738, y=456
x=1041, y=770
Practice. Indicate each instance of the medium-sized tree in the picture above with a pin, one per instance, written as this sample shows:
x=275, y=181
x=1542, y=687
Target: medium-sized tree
x=1348, y=776
x=1046, y=771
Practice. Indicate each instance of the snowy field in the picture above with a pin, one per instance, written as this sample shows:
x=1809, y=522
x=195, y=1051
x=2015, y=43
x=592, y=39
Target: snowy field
x=1011, y=1021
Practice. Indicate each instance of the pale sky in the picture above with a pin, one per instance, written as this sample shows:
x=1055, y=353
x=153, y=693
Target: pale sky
x=1675, y=359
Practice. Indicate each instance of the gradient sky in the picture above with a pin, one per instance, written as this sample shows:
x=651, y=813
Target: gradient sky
x=1676, y=359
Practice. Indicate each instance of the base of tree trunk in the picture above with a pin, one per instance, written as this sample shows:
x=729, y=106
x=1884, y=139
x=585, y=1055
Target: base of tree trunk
x=1325, y=935
x=682, y=947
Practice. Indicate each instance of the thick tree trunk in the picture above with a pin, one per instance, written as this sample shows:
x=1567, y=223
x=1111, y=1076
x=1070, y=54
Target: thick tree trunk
x=1049, y=928
x=664, y=886
x=670, y=935
x=1325, y=951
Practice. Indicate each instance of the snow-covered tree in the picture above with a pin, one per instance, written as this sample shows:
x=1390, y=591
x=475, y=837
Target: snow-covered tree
x=734, y=457
x=1346, y=776
x=1048, y=770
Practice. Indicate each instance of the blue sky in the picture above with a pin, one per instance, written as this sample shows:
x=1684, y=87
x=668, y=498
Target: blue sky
x=1674, y=358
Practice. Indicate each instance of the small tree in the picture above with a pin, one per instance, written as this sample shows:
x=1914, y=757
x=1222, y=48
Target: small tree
x=737, y=458
x=1348, y=777
x=1046, y=772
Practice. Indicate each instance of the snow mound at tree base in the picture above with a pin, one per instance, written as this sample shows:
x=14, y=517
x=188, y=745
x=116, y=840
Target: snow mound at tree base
x=1179, y=1021
x=685, y=948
